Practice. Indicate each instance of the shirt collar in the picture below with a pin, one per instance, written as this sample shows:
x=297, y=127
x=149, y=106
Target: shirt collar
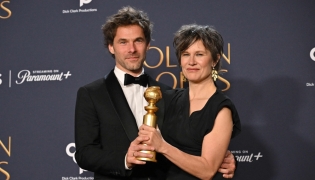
x=121, y=74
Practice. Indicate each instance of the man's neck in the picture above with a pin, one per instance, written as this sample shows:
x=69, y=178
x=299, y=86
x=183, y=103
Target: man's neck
x=134, y=73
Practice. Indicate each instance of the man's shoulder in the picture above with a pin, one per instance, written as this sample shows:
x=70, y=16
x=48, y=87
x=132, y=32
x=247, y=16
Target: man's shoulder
x=100, y=82
x=95, y=84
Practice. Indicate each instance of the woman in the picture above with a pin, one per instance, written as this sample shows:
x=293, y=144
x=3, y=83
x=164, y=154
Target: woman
x=199, y=120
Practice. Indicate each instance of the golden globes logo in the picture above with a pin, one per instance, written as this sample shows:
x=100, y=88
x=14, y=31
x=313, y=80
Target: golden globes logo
x=3, y=8
x=8, y=152
x=181, y=79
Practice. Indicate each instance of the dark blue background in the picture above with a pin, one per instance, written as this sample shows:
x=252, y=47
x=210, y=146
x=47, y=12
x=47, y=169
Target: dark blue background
x=269, y=68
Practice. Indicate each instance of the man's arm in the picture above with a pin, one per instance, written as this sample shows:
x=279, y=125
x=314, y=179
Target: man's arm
x=93, y=152
x=90, y=154
x=228, y=165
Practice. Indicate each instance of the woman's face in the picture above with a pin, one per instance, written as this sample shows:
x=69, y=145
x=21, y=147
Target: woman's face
x=197, y=62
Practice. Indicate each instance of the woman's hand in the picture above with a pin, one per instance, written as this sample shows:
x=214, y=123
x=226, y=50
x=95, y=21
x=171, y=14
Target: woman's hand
x=155, y=138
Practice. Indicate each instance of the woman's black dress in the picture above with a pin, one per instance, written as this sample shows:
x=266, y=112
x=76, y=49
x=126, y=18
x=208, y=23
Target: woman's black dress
x=187, y=132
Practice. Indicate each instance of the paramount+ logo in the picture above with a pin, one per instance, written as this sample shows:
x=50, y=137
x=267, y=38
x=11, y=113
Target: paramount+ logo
x=3, y=7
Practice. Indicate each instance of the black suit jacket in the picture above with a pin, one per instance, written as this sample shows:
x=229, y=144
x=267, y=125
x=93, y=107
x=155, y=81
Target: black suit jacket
x=105, y=127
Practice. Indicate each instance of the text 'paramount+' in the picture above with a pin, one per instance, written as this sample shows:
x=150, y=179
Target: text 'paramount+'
x=27, y=76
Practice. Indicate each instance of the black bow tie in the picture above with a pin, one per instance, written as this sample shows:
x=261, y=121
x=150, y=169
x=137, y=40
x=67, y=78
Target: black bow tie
x=141, y=80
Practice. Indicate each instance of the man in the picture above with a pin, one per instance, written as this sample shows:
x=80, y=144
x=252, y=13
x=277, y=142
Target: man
x=110, y=110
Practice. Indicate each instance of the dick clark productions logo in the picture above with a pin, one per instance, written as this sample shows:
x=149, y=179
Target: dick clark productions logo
x=71, y=153
x=84, y=2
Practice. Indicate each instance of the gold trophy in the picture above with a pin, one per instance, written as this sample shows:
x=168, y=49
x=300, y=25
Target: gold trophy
x=152, y=95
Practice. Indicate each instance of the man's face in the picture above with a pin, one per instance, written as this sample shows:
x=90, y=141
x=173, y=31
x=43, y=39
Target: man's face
x=129, y=47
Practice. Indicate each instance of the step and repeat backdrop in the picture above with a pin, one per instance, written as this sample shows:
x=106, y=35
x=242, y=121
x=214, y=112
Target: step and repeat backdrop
x=48, y=49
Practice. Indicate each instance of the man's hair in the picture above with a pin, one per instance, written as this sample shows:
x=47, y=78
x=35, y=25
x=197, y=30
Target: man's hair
x=126, y=16
x=211, y=39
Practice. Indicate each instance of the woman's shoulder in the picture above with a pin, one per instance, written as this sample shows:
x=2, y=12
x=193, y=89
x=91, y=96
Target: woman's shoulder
x=219, y=97
x=173, y=96
x=174, y=91
x=224, y=101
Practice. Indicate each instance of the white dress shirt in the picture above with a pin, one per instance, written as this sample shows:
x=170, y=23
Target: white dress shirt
x=134, y=96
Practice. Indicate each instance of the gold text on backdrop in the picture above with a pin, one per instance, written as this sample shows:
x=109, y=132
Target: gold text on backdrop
x=168, y=65
x=5, y=9
x=8, y=152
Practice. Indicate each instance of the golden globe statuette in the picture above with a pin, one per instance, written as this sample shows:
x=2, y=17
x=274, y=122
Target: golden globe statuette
x=152, y=95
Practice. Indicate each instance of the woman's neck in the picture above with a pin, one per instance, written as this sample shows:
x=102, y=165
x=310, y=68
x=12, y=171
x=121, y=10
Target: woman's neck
x=201, y=90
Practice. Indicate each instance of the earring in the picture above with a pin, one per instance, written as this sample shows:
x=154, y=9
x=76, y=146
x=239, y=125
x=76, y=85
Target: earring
x=182, y=76
x=214, y=74
x=184, y=79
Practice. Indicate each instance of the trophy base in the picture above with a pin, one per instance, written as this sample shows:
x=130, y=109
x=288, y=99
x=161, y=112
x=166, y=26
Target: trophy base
x=153, y=159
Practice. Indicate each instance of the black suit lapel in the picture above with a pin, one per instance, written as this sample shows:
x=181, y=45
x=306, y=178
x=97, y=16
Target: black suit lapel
x=160, y=104
x=120, y=103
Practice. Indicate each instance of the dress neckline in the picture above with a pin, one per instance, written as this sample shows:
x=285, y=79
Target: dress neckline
x=186, y=96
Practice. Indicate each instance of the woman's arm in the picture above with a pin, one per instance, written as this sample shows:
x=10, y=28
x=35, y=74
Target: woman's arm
x=214, y=147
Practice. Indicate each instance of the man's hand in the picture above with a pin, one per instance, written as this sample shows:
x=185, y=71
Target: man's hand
x=228, y=166
x=134, y=151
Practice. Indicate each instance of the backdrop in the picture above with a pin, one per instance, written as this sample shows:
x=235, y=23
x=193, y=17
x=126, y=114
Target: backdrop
x=48, y=49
